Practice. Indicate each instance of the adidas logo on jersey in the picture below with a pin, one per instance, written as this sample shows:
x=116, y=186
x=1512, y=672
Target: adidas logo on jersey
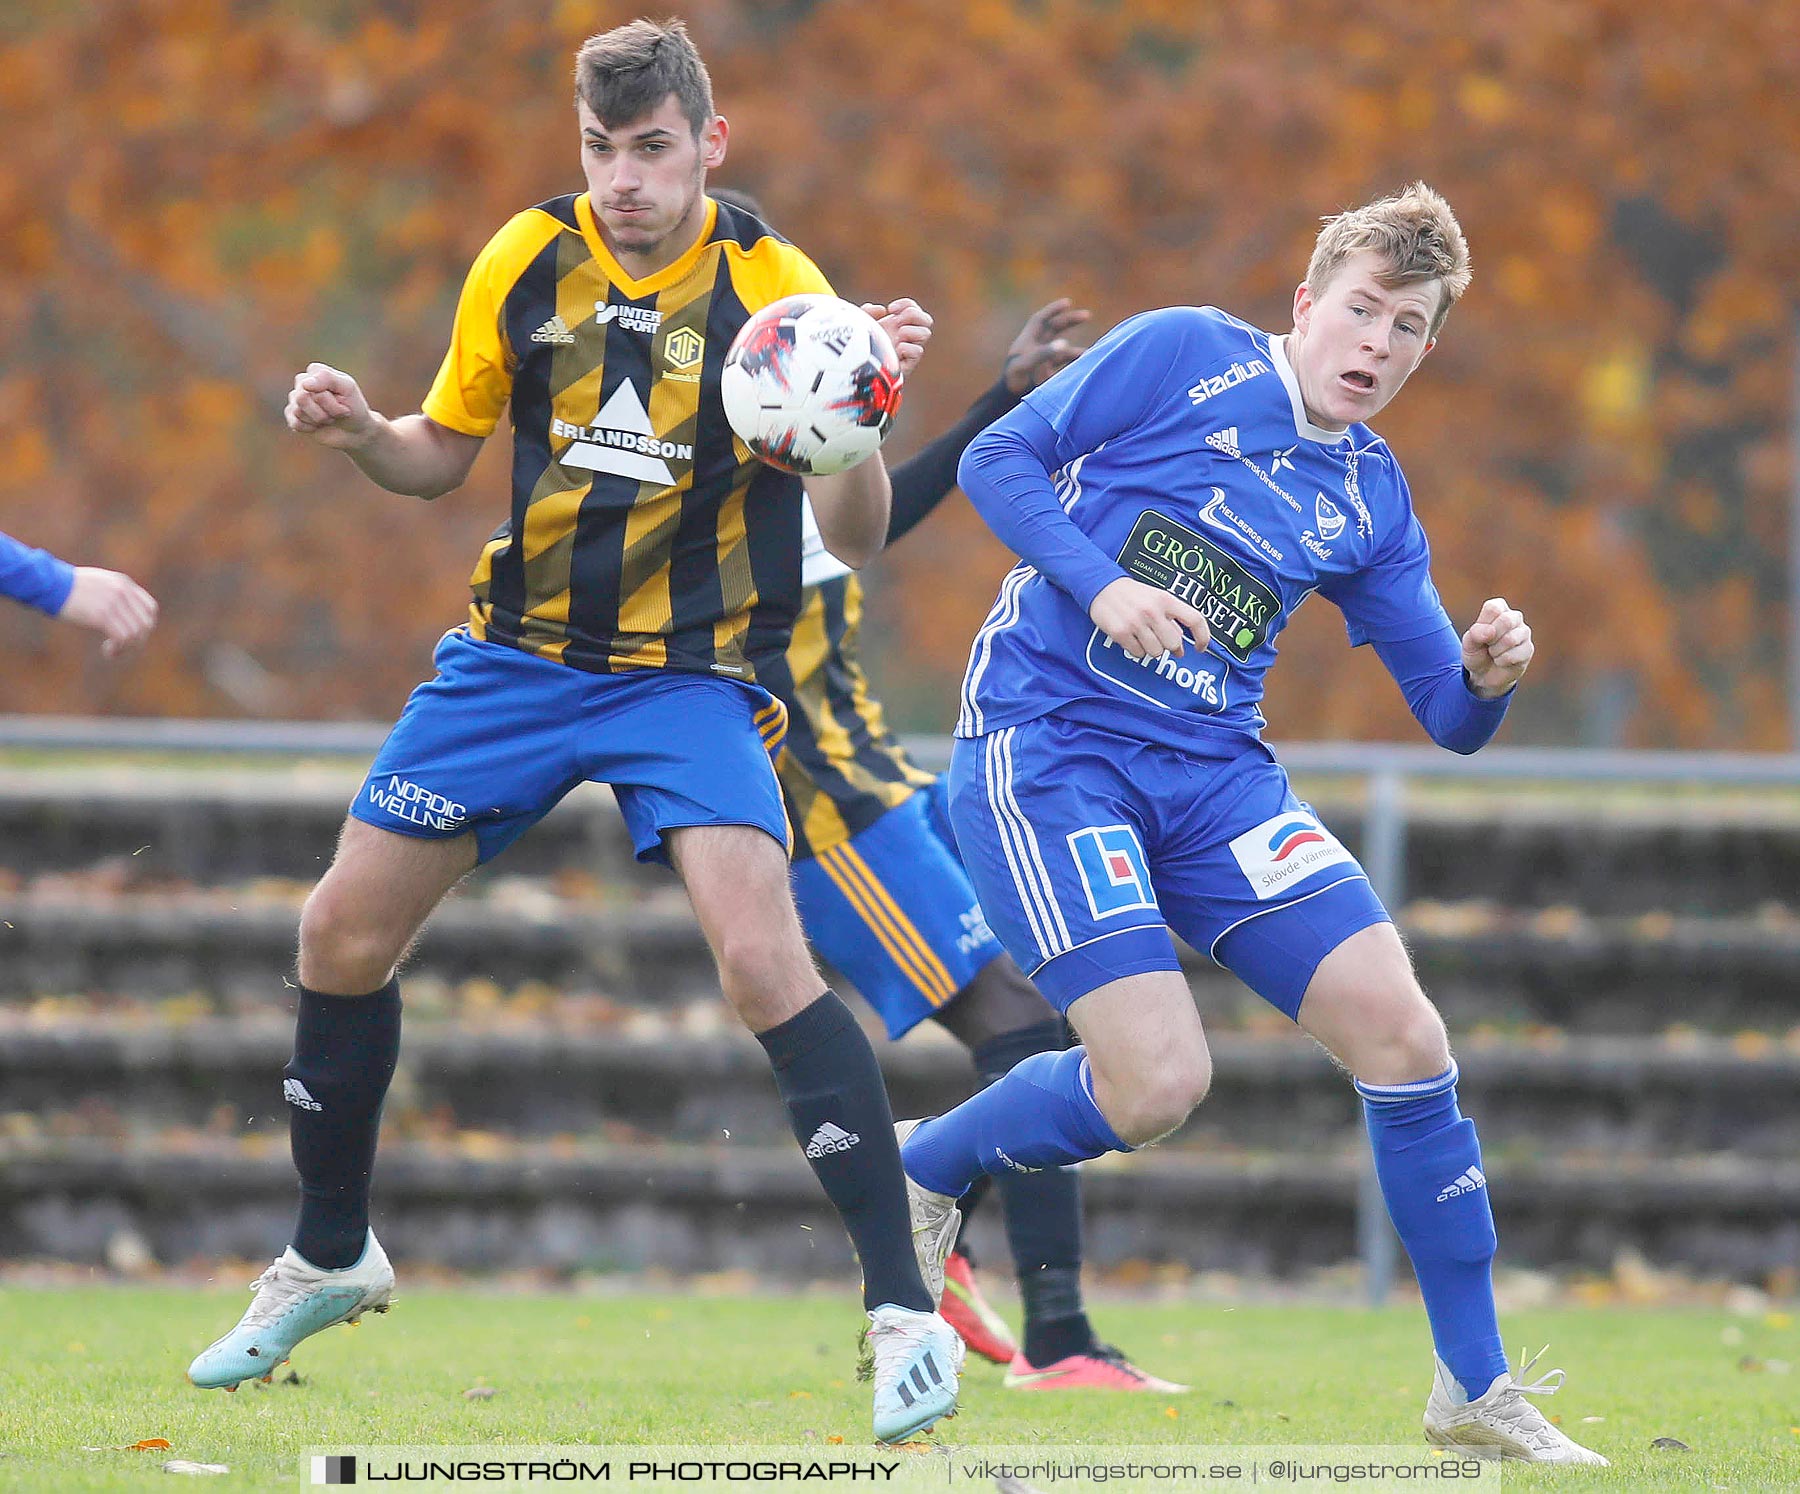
x=831, y=1138
x=554, y=330
x=1467, y=1183
x=1225, y=441
x=294, y=1092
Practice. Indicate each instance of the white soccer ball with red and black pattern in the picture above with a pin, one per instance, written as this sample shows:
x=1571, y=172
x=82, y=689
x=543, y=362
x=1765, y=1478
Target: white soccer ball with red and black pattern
x=811, y=385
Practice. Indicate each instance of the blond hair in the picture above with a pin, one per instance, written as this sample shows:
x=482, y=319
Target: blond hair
x=1415, y=235
x=626, y=73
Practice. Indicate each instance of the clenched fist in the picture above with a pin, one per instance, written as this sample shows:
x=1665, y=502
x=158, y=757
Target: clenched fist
x=327, y=404
x=1497, y=649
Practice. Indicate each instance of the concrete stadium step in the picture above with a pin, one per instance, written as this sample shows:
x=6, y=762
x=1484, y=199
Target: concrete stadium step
x=1606, y=852
x=691, y=1209
x=1481, y=963
x=235, y=952
x=210, y=826
x=649, y=1079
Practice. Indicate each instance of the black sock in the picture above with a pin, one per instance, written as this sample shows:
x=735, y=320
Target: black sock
x=838, y=1106
x=1050, y=1336
x=345, y=1048
x=1043, y=1218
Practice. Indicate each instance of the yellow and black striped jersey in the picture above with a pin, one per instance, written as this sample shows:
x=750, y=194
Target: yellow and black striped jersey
x=642, y=533
x=841, y=769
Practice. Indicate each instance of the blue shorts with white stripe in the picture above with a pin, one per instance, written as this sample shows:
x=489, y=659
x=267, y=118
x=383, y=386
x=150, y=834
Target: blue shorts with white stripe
x=1086, y=848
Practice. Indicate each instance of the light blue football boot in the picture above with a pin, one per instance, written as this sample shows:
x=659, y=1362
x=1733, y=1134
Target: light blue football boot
x=294, y=1300
x=918, y=1360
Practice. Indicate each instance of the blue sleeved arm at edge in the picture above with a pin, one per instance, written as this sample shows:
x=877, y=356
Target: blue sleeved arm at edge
x=1006, y=473
x=1430, y=674
x=35, y=577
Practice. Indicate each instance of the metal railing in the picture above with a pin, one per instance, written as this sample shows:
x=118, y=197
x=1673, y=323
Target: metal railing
x=1385, y=768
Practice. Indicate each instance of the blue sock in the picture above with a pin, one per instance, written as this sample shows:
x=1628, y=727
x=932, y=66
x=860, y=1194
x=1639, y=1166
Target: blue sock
x=1041, y=1114
x=1043, y=1217
x=1429, y=1162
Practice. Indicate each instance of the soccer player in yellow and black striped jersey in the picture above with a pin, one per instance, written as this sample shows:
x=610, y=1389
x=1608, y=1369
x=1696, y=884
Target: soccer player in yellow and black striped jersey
x=647, y=573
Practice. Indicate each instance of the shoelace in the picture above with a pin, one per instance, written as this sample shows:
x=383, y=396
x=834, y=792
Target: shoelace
x=937, y=1232
x=894, y=1342
x=1525, y=1418
x=282, y=1289
x=1549, y=1385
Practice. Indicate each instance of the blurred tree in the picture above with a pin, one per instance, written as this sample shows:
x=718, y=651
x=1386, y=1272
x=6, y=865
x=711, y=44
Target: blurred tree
x=198, y=196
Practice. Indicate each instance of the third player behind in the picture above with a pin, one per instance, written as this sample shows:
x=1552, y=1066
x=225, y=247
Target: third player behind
x=884, y=897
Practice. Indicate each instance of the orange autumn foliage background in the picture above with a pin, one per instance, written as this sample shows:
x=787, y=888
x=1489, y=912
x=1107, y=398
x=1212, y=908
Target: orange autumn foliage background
x=197, y=197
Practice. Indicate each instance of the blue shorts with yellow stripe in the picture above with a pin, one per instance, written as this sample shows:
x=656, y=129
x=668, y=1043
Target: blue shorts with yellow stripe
x=499, y=736
x=892, y=909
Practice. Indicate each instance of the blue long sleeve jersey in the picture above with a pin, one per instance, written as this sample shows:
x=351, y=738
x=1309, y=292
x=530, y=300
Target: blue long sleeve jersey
x=1177, y=451
x=34, y=577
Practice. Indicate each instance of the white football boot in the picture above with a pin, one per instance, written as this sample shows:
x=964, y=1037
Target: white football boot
x=935, y=1221
x=294, y=1300
x=1501, y=1423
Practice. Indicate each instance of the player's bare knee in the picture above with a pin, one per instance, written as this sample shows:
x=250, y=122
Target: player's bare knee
x=1160, y=1099
x=765, y=973
x=341, y=951
x=1413, y=1045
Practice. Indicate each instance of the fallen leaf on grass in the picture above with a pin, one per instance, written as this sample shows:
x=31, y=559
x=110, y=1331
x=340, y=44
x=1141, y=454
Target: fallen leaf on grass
x=479, y=1393
x=1670, y=1444
x=182, y=1465
x=835, y=1440
x=147, y=1444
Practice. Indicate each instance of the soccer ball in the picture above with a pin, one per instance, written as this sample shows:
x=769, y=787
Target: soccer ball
x=811, y=385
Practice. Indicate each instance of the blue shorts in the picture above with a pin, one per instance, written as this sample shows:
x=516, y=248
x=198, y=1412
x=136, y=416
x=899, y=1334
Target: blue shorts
x=501, y=735
x=893, y=909
x=1086, y=848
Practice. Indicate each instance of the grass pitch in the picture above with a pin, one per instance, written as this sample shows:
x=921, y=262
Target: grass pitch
x=103, y=1368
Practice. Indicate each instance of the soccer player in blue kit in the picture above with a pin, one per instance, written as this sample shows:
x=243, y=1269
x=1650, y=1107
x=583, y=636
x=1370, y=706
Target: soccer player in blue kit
x=1174, y=495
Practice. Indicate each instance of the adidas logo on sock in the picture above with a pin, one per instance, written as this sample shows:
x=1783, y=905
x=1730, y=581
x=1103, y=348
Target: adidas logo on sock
x=1467, y=1183
x=554, y=330
x=830, y=1138
x=294, y=1092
